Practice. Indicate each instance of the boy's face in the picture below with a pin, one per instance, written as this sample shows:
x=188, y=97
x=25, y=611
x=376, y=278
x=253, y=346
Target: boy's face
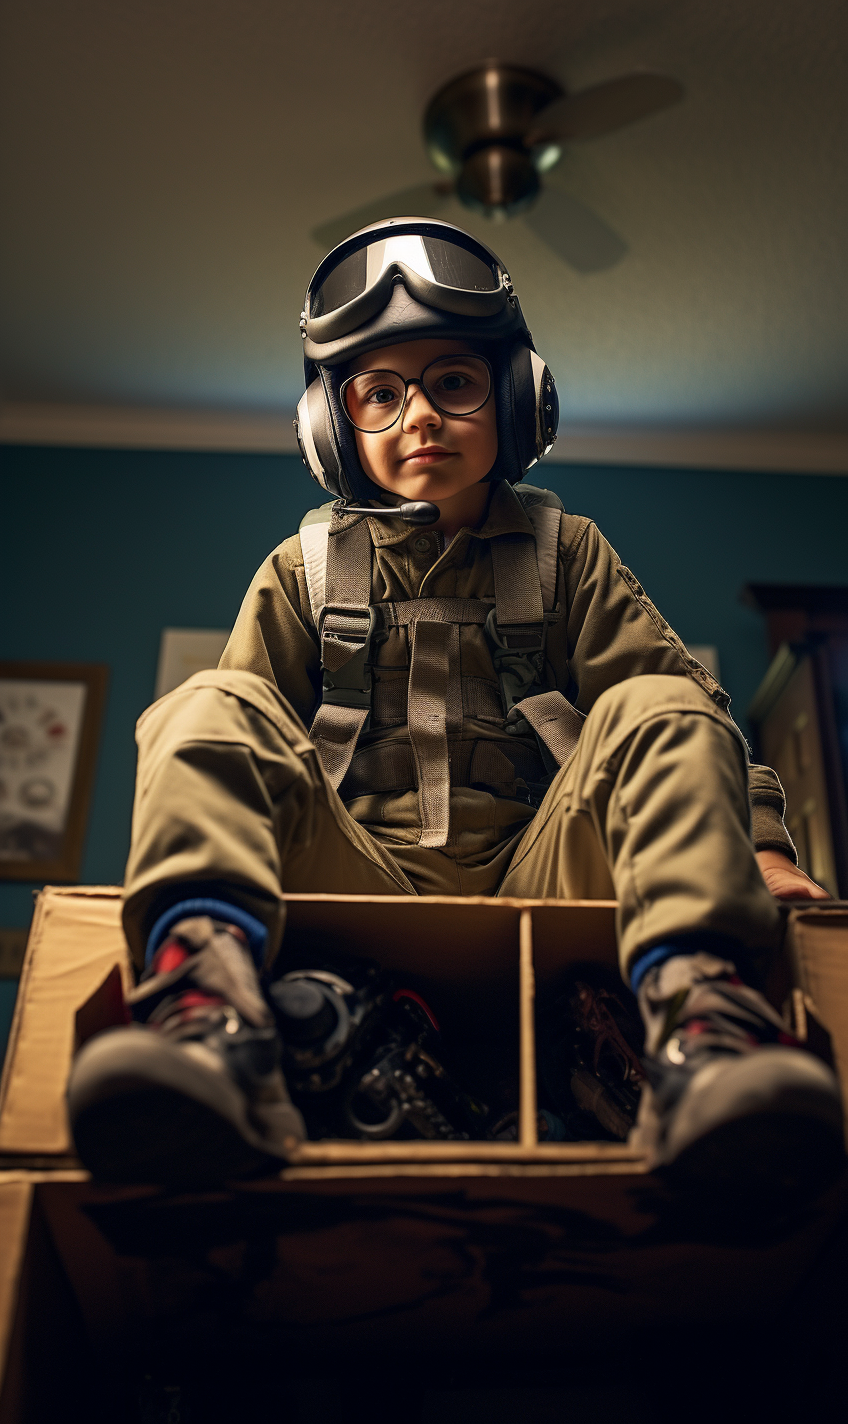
x=426, y=455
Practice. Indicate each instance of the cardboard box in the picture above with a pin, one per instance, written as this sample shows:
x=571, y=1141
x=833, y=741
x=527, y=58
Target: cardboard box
x=427, y=1246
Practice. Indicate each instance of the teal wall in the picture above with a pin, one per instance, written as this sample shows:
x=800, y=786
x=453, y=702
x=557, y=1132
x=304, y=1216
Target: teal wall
x=104, y=548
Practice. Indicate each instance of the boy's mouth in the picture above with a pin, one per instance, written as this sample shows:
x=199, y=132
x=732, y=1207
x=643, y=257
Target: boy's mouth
x=427, y=455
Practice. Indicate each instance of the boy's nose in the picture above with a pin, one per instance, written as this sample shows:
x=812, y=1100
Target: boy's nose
x=419, y=412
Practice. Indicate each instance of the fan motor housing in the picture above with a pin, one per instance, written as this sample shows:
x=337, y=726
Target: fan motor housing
x=475, y=128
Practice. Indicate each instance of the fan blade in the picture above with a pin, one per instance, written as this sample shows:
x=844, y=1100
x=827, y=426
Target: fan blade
x=605, y=108
x=423, y=201
x=576, y=234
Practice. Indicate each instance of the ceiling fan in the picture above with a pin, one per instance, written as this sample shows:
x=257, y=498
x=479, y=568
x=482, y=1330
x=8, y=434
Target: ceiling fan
x=495, y=134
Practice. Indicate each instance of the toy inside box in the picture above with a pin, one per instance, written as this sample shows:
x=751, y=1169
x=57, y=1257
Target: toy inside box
x=469, y=1244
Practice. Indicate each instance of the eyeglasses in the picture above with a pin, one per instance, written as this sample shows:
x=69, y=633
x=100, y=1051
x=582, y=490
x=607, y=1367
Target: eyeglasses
x=374, y=401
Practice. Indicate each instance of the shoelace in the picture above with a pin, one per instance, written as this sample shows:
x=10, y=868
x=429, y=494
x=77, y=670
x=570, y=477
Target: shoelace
x=181, y=1008
x=728, y=1024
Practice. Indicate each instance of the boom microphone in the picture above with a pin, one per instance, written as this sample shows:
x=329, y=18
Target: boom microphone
x=416, y=511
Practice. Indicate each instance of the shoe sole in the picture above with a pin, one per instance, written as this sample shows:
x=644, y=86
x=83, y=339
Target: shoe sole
x=765, y=1129
x=144, y=1111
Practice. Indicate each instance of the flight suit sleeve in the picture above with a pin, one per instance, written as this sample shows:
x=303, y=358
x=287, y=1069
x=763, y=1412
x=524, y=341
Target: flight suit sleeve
x=612, y=631
x=273, y=634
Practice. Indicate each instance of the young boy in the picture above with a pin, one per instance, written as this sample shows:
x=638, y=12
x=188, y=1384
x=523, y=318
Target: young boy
x=495, y=708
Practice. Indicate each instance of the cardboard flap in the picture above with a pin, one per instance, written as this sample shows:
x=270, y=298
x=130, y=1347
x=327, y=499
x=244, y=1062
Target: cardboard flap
x=106, y=1008
x=75, y=941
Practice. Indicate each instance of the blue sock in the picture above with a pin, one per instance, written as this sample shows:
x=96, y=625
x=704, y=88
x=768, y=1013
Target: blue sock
x=658, y=955
x=218, y=910
x=696, y=943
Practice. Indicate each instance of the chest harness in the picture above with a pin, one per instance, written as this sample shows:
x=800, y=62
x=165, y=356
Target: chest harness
x=338, y=554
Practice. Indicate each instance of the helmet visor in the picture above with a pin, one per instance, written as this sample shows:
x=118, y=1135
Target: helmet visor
x=438, y=272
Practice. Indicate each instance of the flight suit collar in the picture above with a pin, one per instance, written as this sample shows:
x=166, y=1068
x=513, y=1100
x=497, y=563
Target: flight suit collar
x=505, y=515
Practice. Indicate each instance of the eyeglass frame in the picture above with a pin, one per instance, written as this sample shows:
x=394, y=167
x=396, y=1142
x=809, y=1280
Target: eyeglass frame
x=414, y=381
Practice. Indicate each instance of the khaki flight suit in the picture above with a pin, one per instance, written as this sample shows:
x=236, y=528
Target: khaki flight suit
x=658, y=806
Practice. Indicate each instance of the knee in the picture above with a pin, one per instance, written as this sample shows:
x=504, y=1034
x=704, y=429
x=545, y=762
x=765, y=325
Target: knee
x=224, y=706
x=664, y=715
x=638, y=701
x=650, y=693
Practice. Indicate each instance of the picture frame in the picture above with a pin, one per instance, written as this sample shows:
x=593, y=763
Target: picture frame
x=50, y=720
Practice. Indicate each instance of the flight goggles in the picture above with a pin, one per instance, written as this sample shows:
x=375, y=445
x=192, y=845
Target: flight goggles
x=452, y=273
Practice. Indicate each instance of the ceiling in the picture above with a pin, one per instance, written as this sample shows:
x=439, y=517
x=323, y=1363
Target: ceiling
x=162, y=163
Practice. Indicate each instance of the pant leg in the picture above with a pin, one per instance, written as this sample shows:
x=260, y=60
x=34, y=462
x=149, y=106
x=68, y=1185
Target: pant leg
x=652, y=810
x=230, y=789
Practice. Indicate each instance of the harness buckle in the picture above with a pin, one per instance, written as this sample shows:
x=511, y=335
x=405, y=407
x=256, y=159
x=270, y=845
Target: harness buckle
x=350, y=684
x=520, y=665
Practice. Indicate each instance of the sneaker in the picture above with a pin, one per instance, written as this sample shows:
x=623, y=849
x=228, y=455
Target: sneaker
x=191, y=1092
x=733, y=1105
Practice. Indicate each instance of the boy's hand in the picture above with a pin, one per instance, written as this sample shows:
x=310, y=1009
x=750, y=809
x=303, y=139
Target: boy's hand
x=785, y=880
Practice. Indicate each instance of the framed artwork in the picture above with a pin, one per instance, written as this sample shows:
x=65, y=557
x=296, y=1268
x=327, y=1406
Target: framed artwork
x=50, y=715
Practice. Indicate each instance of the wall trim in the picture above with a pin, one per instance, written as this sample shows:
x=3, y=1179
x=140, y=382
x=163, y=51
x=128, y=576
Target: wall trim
x=146, y=428
x=779, y=451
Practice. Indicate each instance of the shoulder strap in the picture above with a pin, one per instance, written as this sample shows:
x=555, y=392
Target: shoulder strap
x=337, y=562
x=555, y=721
x=525, y=572
x=314, y=536
x=518, y=656
x=544, y=509
x=518, y=587
x=321, y=515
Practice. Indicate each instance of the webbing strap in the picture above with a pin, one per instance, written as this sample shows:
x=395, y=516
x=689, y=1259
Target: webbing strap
x=313, y=542
x=349, y=551
x=334, y=733
x=434, y=710
x=518, y=590
x=516, y=625
x=435, y=610
x=481, y=699
x=546, y=519
x=345, y=623
x=390, y=766
x=554, y=721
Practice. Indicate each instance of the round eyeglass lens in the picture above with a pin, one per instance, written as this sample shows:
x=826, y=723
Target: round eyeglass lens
x=374, y=399
x=456, y=385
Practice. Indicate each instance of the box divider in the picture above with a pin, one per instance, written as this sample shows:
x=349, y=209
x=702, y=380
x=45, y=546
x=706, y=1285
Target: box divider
x=527, y=1127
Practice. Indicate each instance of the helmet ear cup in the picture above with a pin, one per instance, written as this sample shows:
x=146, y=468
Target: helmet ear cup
x=316, y=438
x=327, y=442
x=546, y=402
x=352, y=480
x=523, y=407
x=528, y=411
